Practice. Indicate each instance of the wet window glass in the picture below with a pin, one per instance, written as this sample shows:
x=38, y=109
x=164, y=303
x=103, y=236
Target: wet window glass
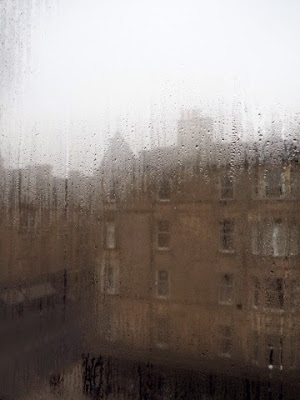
x=149, y=200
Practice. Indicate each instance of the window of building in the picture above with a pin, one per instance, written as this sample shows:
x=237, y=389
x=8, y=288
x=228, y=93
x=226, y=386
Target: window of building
x=295, y=182
x=256, y=183
x=225, y=341
x=295, y=294
x=226, y=187
x=276, y=238
x=112, y=192
x=275, y=293
x=227, y=236
x=164, y=190
x=226, y=289
x=110, y=235
x=293, y=347
x=254, y=355
x=162, y=283
x=255, y=292
x=109, y=278
x=275, y=183
x=273, y=351
x=255, y=239
x=293, y=241
x=163, y=235
x=162, y=332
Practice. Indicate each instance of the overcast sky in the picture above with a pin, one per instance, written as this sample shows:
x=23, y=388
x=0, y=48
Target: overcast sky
x=97, y=66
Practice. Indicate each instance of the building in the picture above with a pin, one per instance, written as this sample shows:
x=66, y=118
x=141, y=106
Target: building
x=199, y=262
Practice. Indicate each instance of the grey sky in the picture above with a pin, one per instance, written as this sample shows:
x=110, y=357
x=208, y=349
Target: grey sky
x=98, y=66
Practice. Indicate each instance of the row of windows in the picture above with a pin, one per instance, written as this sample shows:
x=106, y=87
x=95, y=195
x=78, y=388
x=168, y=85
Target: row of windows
x=274, y=183
x=265, y=350
x=272, y=294
x=270, y=350
x=275, y=237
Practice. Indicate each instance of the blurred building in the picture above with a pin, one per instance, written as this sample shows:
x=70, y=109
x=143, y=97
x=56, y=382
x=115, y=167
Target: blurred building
x=199, y=260
x=185, y=255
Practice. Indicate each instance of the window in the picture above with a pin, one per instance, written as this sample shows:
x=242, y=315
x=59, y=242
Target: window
x=225, y=340
x=274, y=183
x=256, y=183
x=164, y=190
x=293, y=241
x=227, y=236
x=255, y=239
x=110, y=235
x=162, y=283
x=295, y=294
x=112, y=192
x=255, y=292
x=293, y=347
x=163, y=235
x=275, y=293
x=295, y=182
x=254, y=348
x=226, y=187
x=226, y=289
x=273, y=350
x=276, y=238
x=162, y=332
x=109, y=277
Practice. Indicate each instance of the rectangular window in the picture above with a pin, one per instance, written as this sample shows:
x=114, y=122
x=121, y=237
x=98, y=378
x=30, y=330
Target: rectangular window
x=295, y=182
x=255, y=292
x=109, y=278
x=255, y=348
x=273, y=351
x=279, y=239
x=226, y=187
x=110, y=235
x=162, y=332
x=112, y=192
x=275, y=293
x=274, y=183
x=225, y=340
x=227, y=236
x=162, y=283
x=256, y=183
x=255, y=239
x=293, y=347
x=226, y=289
x=295, y=294
x=163, y=235
x=164, y=190
x=293, y=245
x=276, y=238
